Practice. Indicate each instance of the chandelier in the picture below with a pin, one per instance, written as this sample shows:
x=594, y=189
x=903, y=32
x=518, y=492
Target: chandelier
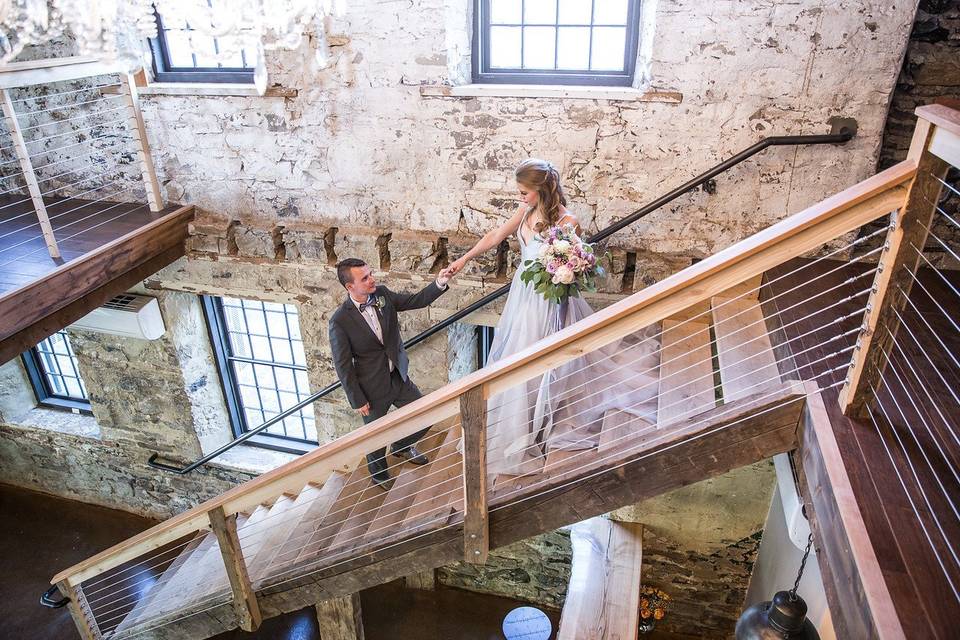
x=114, y=28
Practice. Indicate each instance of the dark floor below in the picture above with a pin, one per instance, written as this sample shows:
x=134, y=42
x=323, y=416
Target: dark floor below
x=42, y=534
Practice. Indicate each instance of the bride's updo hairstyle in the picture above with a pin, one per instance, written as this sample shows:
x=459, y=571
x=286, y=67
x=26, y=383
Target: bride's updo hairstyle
x=542, y=177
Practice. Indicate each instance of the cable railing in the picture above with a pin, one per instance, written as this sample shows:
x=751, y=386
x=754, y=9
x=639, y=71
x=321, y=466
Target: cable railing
x=841, y=136
x=77, y=143
x=631, y=392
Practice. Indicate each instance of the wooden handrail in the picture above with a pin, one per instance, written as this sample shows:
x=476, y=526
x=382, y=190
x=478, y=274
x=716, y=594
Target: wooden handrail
x=793, y=236
x=31, y=72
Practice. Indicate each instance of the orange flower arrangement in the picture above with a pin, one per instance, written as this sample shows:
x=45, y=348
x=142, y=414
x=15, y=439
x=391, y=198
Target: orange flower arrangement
x=653, y=606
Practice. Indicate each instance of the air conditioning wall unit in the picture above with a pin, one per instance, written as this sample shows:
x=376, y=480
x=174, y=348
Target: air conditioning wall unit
x=128, y=315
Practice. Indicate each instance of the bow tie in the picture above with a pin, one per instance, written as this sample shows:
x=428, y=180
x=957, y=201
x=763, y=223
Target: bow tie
x=371, y=302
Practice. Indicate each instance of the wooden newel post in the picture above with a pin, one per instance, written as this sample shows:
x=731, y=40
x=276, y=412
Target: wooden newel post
x=898, y=265
x=84, y=624
x=29, y=176
x=244, y=599
x=473, y=417
x=128, y=88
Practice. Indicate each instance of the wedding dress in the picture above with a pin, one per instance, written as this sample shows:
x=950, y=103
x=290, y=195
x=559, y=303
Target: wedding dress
x=563, y=408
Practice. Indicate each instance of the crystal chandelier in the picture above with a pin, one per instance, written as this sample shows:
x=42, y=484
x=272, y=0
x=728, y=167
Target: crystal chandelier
x=112, y=28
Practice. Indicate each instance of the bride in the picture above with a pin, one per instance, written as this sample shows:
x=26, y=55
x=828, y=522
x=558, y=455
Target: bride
x=564, y=408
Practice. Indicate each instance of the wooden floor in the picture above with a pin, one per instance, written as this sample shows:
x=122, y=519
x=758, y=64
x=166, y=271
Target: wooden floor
x=106, y=247
x=901, y=469
x=79, y=226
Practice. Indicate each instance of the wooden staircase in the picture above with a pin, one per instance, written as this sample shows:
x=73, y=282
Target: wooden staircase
x=316, y=528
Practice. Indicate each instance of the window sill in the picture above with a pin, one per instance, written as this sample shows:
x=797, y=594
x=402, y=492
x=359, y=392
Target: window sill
x=252, y=459
x=60, y=421
x=211, y=89
x=623, y=94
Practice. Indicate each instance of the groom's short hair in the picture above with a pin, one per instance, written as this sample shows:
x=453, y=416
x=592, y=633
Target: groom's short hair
x=343, y=269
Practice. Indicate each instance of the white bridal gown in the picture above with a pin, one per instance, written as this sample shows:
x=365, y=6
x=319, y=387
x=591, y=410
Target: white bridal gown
x=564, y=408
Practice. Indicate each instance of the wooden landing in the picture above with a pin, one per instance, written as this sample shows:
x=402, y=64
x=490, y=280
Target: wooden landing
x=864, y=521
x=603, y=598
x=107, y=247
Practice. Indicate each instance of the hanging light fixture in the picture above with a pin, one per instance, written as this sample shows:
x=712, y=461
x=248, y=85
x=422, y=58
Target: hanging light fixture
x=783, y=618
x=110, y=28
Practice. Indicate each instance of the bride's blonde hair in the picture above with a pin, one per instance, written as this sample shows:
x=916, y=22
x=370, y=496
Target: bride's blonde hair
x=542, y=177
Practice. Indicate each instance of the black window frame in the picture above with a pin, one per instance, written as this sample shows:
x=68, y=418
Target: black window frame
x=484, y=342
x=46, y=397
x=222, y=351
x=483, y=74
x=164, y=71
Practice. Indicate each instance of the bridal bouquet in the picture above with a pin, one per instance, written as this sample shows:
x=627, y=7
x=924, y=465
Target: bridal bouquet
x=565, y=266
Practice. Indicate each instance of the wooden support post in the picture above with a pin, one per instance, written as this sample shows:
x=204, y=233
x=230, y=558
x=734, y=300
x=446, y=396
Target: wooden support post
x=423, y=580
x=128, y=88
x=898, y=265
x=84, y=624
x=23, y=156
x=339, y=618
x=473, y=417
x=244, y=599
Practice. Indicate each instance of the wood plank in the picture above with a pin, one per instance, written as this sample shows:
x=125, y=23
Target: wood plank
x=473, y=418
x=22, y=74
x=893, y=282
x=139, y=133
x=603, y=599
x=437, y=501
x=77, y=613
x=859, y=594
x=244, y=599
x=942, y=116
x=795, y=235
x=747, y=364
x=363, y=511
x=686, y=371
x=27, y=306
x=340, y=618
x=327, y=529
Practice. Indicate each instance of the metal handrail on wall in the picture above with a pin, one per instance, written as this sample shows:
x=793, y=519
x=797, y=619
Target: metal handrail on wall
x=842, y=135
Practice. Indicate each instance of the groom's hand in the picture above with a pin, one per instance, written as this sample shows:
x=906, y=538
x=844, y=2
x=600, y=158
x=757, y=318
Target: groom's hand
x=364, y=410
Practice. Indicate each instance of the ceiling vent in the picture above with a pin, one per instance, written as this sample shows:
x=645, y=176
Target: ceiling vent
x=127, y=315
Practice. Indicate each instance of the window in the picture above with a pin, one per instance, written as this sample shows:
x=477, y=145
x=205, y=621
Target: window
x=261, y=359
x=183, y=54
x=578, y=42
x=484, y=342
x=54, y=375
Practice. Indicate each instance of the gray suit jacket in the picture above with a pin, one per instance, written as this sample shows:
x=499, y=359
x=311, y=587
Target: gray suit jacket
x=361, y=361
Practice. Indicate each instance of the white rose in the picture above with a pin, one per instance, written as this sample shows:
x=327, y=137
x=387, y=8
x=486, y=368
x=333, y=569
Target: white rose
x=563, y=275
x=544, y=250
x=561, y=246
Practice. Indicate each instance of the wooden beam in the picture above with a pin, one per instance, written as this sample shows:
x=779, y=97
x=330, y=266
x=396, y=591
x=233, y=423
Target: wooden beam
x=898, y=263
x=77, y=612
x=855, y=586
x=244, y=599
x=139, y=133
x=422, y=580
x=22, y=74
x=473, y=416
x=340, y=618
x=26, y=167
x=603, y=599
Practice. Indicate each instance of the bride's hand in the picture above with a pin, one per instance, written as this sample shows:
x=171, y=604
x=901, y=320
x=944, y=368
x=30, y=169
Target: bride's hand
x=454, y=268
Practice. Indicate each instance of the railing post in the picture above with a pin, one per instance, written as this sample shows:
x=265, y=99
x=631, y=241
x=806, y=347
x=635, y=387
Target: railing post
x=244, y=599
x=23, y=156
x=473, y=418
x=898, y=265
x=128, y=88
x=84, y=625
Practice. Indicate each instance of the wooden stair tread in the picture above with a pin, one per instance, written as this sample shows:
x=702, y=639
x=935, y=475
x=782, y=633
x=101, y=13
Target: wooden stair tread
x=747, y=363
x=686, y=371
x=603, y=599
x=409, y=482
x=442, y=496
x=144, y=602
x=282, y=519
x=311, y=507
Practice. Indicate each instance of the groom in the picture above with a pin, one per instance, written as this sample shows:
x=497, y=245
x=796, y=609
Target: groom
x=369, y=355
